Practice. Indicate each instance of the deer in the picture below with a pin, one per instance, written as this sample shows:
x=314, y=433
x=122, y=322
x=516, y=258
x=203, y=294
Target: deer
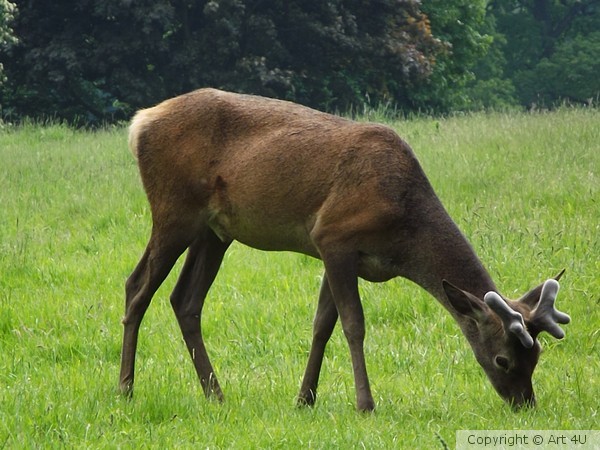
x=219, y=167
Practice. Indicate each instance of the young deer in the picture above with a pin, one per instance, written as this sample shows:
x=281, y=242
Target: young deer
x=218, y=167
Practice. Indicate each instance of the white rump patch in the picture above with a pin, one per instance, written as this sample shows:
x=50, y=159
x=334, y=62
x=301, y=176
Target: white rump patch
x=135, y=128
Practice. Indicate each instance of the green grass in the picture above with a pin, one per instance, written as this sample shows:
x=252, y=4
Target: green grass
x=74, y=221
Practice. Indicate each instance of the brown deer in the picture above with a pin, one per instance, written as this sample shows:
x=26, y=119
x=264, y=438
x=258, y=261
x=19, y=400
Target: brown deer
x=219, y=166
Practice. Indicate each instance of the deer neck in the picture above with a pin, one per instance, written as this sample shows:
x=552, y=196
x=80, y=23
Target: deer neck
x=445, y=254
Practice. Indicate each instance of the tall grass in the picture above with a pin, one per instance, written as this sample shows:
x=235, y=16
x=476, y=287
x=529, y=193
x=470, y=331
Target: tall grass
x=74, y=221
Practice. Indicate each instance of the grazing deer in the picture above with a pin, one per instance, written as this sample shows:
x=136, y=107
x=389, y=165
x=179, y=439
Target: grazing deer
x=218, y=167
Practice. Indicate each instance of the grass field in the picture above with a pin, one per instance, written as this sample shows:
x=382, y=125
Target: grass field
x=74, y=220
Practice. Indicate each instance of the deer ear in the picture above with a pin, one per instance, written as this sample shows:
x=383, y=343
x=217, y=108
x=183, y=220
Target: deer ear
x=463, y=302
x=532, y=298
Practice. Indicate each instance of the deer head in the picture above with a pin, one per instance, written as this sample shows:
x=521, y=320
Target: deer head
x=503, y=334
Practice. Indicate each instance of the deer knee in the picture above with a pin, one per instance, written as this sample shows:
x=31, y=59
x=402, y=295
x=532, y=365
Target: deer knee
x=354, y=331
x=184, y=308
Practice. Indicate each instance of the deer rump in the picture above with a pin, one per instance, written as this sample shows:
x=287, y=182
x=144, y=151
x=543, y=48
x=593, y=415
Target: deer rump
x=218, y=167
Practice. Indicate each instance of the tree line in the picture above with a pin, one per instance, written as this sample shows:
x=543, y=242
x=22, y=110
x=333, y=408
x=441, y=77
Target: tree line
x=96, y=61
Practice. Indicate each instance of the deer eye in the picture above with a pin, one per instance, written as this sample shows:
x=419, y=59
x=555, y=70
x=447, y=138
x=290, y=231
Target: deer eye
x=502, y=362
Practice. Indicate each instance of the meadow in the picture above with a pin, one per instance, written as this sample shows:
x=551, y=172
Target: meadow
x=524, y=188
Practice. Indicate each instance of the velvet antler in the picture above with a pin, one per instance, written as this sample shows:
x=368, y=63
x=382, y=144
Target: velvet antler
x=545, y=317
x=511, y=320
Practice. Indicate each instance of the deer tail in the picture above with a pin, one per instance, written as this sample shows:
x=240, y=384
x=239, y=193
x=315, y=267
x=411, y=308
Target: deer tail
x=136, y=128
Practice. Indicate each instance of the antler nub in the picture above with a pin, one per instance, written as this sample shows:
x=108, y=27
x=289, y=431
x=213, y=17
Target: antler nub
x=511, y=319
x=545, y=317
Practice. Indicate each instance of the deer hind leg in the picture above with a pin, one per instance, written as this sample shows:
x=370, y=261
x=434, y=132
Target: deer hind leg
x=199, y=271
x=342, y=274
x=166, y=244
x=323, y=326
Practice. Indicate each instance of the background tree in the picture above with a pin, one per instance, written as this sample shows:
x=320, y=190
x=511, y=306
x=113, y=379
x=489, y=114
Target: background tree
x=491, y=88
x=86, y=59
x=100, y=59
x=552, y=48
x=7, y=13
x=461, y=25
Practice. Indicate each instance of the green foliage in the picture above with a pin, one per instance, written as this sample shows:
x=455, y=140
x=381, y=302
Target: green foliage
x=495, y=93
x=460, y=25
x=569, y=74
x=96, y=61
x=552, y=49
x=7, y=15
x=74, y=221
x=99, y=60
x=491, y=88
x=86, y=61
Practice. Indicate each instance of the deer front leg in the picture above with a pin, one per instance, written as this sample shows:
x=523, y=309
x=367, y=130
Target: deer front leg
x=323, y=326
x=342, y=275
